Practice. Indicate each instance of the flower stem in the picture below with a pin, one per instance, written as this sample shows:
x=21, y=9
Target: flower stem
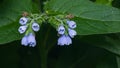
x=43, y=58
x=43, y=49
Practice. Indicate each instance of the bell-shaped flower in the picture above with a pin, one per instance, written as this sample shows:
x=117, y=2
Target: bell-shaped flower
x=35, y=27
x=69, y=41
x=31, y=40
x=22, y=29
x=61, y=29
x=24, y=41
x=23, y=20
x=71, y=24
x=72, y=33
x=64, y=40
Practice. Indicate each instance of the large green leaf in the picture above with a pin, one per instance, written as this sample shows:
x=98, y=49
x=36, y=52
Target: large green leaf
x=10, y=12
x=88, y=26
x=91, y=18
x=108, y=61
x=108, y=43
x=80, y=55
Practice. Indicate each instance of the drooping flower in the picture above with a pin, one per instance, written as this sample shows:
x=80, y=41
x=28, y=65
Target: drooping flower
x=71, y=24
x=72, y=33
x=35, y=27
x=65, y=30
x=22, y=29
x=61, y=29
x=69, y=41
x=64, y=40
x=23, y=20
x=24, y=41
x=31, y=40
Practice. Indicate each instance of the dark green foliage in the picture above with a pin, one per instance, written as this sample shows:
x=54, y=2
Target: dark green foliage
x=97, y=44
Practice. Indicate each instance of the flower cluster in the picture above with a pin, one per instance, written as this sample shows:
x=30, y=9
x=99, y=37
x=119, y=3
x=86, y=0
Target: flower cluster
x=65, y=36
x=28, y=28
x=30, y=25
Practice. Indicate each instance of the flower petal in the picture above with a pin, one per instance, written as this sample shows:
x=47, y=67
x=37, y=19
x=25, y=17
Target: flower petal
x=22, y=29
x=64, y=40
x=24, y=41
x=71, y=24
x=69, y=41
x=31, y=40
x=72, y=33
x=23, y=21
x=61, y=29
x=35, y=26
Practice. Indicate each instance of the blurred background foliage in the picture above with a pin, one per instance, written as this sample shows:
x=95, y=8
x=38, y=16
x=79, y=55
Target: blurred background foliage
x=87, y=51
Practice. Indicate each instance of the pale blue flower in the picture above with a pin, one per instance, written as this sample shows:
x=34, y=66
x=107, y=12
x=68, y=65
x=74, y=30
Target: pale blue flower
x=31, y=40
x=61, y=29
x=23, y=20
x=24, y=41
x=64, y=40
x=69, y=41
x=35, y=27
x=71, y=24
x=22, y=29
x=72, y=33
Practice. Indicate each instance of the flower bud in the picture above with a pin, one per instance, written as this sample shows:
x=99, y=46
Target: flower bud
x=72, y=33
x=71, y=24
x=23, y=21
x=22, y=29
x=35, y=27
x=61, y=29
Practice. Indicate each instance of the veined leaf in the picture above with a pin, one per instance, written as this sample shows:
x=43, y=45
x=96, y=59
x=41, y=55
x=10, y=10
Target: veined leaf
x=88, y=27
x=91, y=18
x=108, y=43
x=10, y=12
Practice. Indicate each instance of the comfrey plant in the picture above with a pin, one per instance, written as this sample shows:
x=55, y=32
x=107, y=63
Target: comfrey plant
x=66, y=32
x=31, y=24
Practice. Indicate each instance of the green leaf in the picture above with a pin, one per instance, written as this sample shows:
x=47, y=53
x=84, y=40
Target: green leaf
x=103, y=41
x=85, y=9
x=108, y=61
x=88, y=27
x=77, y=55
x=91, y=18
x=10, y=12
x=118, y=61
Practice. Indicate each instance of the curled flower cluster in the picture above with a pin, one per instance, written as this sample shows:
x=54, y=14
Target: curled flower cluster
x=30, y=25
x=28, y=28
x=65, y=36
